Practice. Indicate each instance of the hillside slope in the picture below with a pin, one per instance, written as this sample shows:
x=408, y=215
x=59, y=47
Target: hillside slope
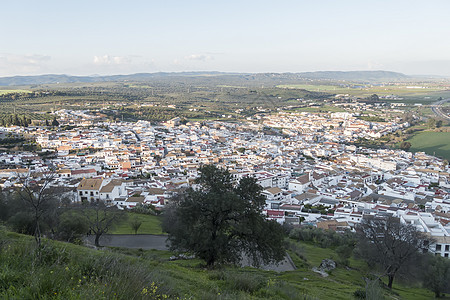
x=66, y=271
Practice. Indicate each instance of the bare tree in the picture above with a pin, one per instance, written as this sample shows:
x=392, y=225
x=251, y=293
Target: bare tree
x=389, y=243
x=135, y=225
x=36, y=192
x=100, y=219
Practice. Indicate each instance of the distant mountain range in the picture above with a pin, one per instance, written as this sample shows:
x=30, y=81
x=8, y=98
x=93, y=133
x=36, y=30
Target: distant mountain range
x=360, y=76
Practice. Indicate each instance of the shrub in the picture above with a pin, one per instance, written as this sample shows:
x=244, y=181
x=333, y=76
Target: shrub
x=359, y=294
x=297, y=250
x=344, y=252
x=245, y=283
x=323, y=238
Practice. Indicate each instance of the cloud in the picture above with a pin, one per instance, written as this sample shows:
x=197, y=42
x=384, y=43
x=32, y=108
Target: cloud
x=199, y=57
x=112, y=60
x=374, y=65
x=127, y=64
x=13, y=64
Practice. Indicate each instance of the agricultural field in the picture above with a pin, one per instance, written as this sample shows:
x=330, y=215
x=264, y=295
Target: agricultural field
x=433, y=143
x=3, y=92
x=201, y=98
x=412, y=93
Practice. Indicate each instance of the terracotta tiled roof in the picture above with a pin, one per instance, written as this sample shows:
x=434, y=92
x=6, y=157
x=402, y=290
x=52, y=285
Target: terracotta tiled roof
x=90, y=184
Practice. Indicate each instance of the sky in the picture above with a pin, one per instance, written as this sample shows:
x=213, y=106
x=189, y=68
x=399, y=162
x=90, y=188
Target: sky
x=98, y=37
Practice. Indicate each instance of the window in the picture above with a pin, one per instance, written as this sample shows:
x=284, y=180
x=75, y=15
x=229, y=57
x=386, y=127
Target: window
x=92, y=193
x=447, y=248
x=438, y=247
x=81, y=193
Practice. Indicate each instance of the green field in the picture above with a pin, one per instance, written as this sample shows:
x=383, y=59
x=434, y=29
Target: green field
x=150, y=224
x=2, y=92
x=433, y=143
x=410, y=95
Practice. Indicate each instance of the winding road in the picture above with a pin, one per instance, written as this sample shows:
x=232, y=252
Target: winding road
x=436, y=108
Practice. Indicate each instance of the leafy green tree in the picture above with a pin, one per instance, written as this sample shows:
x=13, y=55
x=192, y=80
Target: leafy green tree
x=3, y=207
x=437, y=275
x=71, y=226
x=405, y=145
x=374, y=97
x=221, y=222
x=22, y=222
x=431, y=123
x=344, y=252
x=240, y=150
x=55, y=122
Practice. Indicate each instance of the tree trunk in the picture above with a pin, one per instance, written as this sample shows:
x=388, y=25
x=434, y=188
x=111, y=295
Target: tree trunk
x=437, y=294
x=210, y=262
x=97, y=240
x=37, y=233
x=391, y=280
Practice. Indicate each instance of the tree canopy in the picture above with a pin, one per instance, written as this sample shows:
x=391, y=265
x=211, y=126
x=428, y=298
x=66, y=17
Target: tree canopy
x=437, y=275
x=222, y=222
x=390, y=244
x=405, y=145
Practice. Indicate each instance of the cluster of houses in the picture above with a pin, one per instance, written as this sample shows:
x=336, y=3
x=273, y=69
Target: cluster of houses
x=309, y=173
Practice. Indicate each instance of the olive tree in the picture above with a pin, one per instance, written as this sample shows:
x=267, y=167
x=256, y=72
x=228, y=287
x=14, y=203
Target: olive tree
x=221, y=222
x=390, y=244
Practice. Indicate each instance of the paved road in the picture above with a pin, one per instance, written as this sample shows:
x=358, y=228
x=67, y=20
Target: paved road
x=159, y=242
x=135, y=241
x=436, y=108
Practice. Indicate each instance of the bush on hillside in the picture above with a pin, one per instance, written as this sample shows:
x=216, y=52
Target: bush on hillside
x=323, y=238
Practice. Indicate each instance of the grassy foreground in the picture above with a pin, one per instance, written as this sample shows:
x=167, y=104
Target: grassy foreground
x=66, y=271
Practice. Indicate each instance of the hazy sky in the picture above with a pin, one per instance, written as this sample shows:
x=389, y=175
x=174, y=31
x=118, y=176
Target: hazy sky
x=122, y=37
